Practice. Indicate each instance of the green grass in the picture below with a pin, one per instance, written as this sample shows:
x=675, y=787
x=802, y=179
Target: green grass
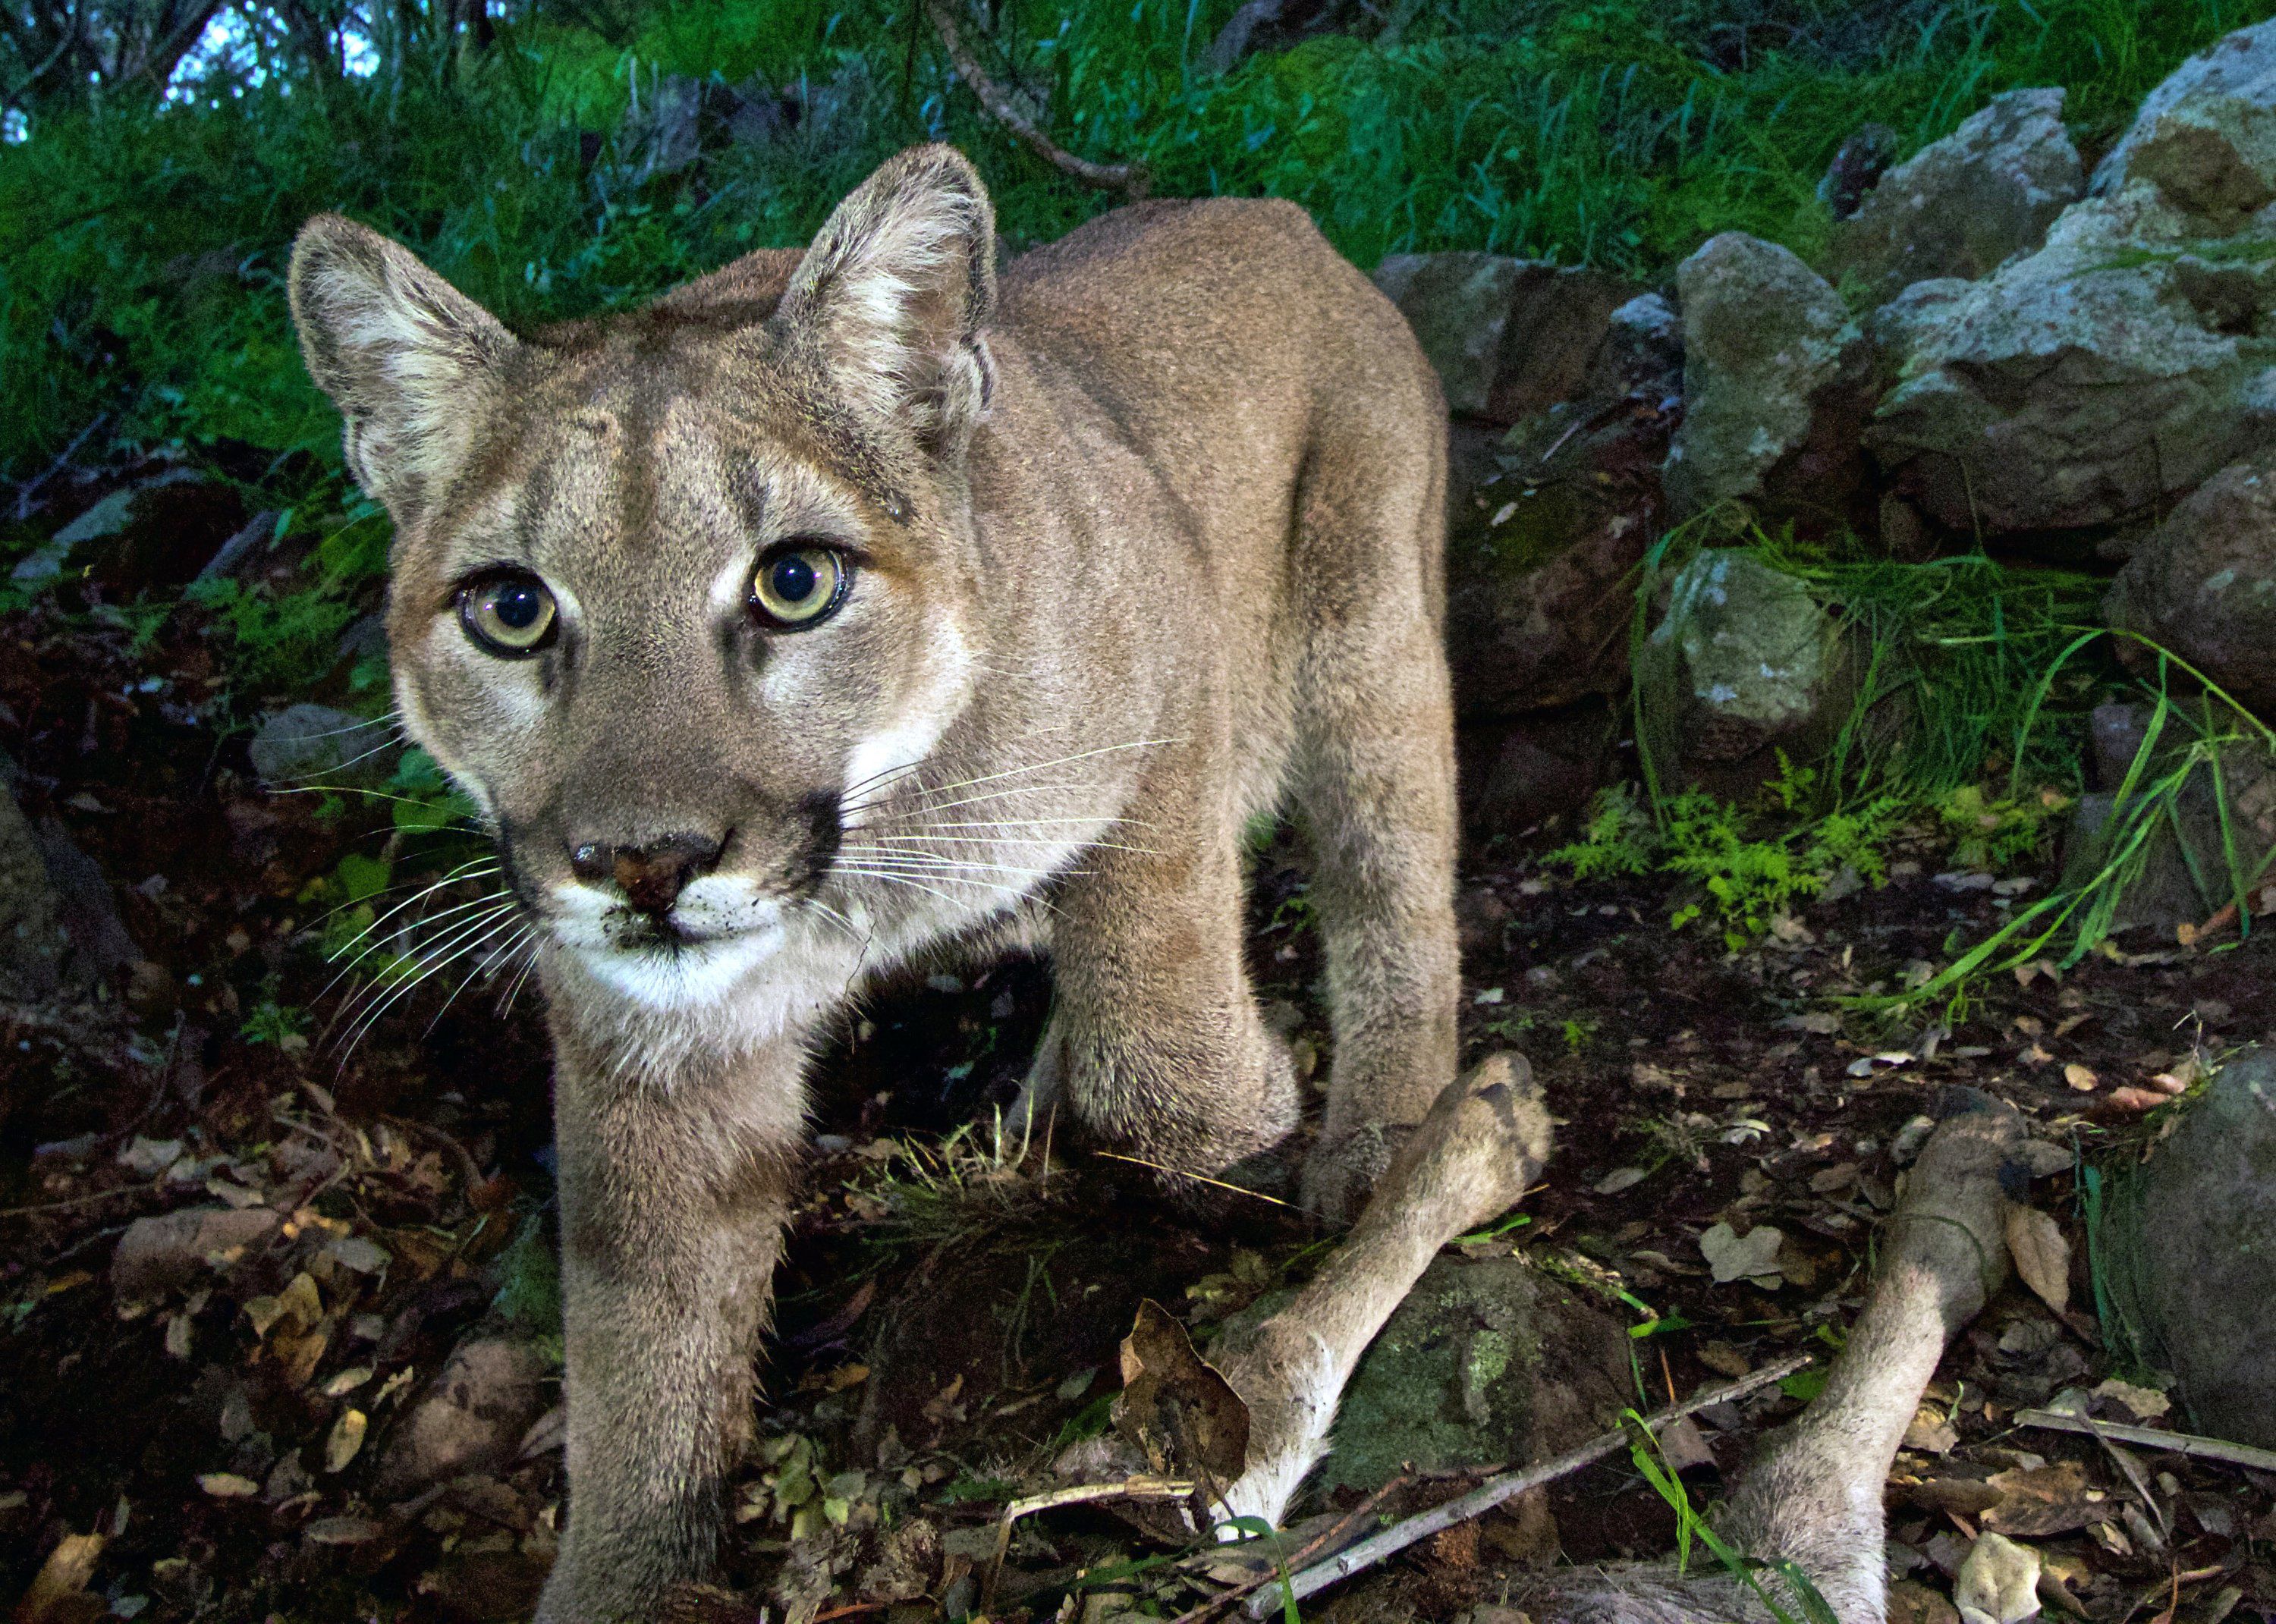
x=141, y=253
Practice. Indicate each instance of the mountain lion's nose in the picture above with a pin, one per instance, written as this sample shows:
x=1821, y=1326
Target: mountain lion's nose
x=652, y=876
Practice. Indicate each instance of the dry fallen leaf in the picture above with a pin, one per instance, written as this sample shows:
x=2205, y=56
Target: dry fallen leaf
x=2041, y=1254
x=1620, y=1179
x=228, y=1486
x=2146, y=1403
x=1999, y=1583
x=59, y=1593
x=1931, y=1432
x=1751, y=1257
x=343, y=1531
x=347, y=1437
x=2041, y=1500
x=2079, y=1077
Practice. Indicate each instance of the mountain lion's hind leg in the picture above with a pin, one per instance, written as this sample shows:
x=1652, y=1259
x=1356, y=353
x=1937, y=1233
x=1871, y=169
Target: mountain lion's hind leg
x=1374, y=764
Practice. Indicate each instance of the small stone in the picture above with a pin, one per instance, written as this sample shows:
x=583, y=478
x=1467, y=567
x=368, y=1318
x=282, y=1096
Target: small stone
x=307, y=744
x=173, y=1251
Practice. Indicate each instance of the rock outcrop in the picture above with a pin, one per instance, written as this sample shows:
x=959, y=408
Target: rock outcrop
x=2088, y=385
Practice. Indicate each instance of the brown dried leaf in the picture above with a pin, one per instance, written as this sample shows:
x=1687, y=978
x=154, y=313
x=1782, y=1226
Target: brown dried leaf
x=2044, y=1499
x=59, y=1593
x=2041, y=1254
x=1176, y=1407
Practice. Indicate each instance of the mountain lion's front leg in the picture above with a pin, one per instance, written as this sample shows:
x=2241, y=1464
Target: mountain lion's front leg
x=674, y=1197
x=1155, y=1034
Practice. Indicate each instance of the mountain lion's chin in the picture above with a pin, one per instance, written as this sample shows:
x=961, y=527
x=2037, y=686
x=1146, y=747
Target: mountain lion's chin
x=683, y=976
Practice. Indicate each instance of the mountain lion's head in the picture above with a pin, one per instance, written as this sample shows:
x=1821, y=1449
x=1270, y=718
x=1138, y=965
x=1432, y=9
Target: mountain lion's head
x=676, y=590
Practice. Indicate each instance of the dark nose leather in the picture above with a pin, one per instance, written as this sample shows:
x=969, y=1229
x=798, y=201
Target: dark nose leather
x=651, y=876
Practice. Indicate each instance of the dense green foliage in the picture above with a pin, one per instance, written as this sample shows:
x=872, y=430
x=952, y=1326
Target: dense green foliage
x=141, y=250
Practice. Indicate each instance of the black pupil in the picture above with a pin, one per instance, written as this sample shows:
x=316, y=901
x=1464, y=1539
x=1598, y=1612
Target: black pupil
x=517, y=604
x=793, y=579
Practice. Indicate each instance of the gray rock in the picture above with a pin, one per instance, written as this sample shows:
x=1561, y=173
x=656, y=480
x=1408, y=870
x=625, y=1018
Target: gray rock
x=2190, y=1237
x=470, y=1419
x=239, y=555
x=2086, y=384
x=1745, y=661
x=2203, y=583
x=85, y=906
x=1509, y=337
x=662, y=131
x=1457, y=304
x=2240, y=67
x=174, y=1250
x=315, y=744
x=1768, y=345
x=1545, y=526
x=1486, y=1361
x=2180, y=872
x=59, y=922
x=1963, y=205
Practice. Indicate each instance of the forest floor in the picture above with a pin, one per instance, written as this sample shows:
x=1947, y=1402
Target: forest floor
x=950, y=1311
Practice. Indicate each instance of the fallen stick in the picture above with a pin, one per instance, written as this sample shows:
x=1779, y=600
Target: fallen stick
x=1494, y=1491
x=2190, y=1443
x=1076, y=1494
x=1130, y=180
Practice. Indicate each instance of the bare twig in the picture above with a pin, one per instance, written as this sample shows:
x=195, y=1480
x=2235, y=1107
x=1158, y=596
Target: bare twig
x=2190, y=1443
x=1324, y=1539
x=1130, y=180
x=1495, y=1490
x=1076, y=1494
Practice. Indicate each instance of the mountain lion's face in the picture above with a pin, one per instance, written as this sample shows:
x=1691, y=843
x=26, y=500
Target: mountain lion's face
x=675, y=594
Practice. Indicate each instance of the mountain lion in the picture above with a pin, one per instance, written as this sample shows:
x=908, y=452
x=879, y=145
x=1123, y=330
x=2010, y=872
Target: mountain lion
x=843, y=605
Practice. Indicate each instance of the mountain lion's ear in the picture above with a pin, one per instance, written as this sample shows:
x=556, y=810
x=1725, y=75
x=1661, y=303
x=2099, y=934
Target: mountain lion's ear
x=895, y=291
x=405, y=355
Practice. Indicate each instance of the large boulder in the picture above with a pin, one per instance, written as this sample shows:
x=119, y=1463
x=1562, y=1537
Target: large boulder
x=2190, y=1240
x=1547, y=523
x=2202, y=585
x=1487, y=1360
x=1509, y=337
x=1744, y=662
x=2088, y=385
x=1775, y=383
x=2235, y=73
x=1963, y=205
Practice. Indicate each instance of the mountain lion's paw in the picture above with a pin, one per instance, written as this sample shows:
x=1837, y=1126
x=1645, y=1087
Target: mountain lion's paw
x=1484, y=1143
x=1341, y=1173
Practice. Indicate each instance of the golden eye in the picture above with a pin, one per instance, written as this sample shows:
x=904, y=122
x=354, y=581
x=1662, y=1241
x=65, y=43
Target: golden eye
x=799, y=586
x=509, y=615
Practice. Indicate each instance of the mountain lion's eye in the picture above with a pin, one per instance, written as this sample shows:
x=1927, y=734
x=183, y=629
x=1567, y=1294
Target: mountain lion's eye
x=799, y=586
x=509, y=615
